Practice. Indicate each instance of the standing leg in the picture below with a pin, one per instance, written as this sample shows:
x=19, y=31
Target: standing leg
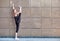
x=17, y=26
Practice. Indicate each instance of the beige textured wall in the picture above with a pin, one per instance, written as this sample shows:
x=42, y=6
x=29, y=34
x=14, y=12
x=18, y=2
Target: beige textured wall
x=39, y=18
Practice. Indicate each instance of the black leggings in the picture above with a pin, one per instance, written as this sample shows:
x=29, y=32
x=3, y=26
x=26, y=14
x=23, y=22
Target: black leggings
x=17, y=21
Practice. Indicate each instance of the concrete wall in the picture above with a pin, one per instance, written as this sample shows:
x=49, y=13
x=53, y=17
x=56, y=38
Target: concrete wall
x=39, y=18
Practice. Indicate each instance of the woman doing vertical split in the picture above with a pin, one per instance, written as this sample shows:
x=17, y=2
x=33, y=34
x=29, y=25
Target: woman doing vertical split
x=17, y=17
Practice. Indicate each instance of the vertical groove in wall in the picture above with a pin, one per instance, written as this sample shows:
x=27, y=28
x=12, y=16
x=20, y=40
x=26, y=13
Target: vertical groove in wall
x=51, y=14
x=9, y=22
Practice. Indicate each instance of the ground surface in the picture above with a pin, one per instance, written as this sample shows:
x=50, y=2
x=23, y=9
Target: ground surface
x=30, y=39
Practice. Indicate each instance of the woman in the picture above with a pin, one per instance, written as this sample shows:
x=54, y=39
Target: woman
x=17, y=17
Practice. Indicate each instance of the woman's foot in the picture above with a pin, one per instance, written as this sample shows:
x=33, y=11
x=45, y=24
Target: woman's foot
x=16, y=37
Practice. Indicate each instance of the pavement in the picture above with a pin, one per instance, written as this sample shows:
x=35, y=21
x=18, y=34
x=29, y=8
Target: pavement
x=30, y=39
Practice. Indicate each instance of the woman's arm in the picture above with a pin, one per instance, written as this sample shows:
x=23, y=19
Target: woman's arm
x=20, y=9
x=13, y=7
x=14, y=11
